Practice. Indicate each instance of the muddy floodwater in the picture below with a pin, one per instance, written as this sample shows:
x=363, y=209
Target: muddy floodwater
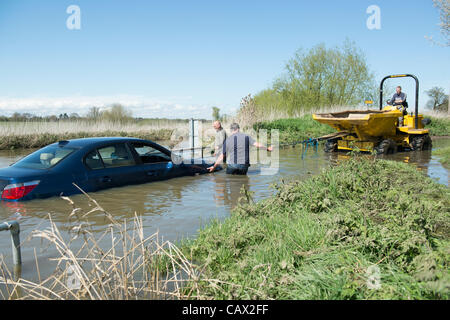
x=176, y=208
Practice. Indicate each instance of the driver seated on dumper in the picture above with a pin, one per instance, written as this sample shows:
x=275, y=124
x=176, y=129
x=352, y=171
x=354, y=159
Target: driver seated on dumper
x=399, y=100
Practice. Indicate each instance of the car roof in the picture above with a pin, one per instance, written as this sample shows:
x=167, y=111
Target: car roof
x=98, y=141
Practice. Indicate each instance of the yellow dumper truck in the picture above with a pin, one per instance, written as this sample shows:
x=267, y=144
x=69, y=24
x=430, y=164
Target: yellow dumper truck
x=386, y=130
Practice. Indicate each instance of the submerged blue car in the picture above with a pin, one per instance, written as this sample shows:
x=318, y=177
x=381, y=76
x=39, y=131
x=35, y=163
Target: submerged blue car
x=93, y=164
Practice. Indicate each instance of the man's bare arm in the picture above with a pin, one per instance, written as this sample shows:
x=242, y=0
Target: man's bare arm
x=259, y=145
x=218, y=161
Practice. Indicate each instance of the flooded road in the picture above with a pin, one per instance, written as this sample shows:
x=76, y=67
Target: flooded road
x=176, y=208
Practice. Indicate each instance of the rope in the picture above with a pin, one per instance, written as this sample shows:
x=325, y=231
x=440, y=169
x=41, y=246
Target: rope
x=313, y=142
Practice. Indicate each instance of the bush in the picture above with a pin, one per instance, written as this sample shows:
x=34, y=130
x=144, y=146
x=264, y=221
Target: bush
x=296, y=129
x=439, y=126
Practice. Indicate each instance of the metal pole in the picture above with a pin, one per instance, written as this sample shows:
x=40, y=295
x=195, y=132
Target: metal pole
x=192, y=142
x=14, y=228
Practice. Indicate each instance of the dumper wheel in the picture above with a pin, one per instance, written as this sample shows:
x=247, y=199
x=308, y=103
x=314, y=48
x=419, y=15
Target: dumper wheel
x=387, y=146
x=422, y=142
x=330, y=145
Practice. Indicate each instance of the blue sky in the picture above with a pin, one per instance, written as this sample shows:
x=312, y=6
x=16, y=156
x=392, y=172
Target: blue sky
x=180, y=58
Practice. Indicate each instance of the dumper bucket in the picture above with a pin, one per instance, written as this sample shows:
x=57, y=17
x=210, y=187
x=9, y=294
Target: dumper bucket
x=367, y=124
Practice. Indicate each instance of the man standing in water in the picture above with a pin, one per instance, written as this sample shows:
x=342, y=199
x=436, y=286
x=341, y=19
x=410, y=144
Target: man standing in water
x=221, y=136
x=236, y=152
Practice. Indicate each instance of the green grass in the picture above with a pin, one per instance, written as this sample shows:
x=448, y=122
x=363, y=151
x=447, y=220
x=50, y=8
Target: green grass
x=439, y=126
x=295, y=130
x=316, y=239
x=443, y=155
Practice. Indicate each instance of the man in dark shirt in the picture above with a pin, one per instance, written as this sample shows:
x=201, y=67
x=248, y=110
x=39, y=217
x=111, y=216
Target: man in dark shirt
x=236, y=151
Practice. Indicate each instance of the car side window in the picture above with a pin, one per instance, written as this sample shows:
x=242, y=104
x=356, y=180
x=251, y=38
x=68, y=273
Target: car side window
x=149, y=154
x=93, y=161
x=116, y=155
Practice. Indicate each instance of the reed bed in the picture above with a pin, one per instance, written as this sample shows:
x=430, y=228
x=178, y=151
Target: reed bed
x=129, y=268
x=18, y=135
x=65, y=127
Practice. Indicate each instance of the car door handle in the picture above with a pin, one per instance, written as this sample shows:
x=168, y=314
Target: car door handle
x=106, y=179
x=152, y=173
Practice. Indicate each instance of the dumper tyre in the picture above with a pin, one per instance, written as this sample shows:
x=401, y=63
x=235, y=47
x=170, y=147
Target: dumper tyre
x=331, y=145
x=387, y=146
x=422, y=142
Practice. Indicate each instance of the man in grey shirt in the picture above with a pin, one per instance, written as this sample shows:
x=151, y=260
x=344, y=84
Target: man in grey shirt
x=236, y=151
x=220, y=137
x=399, y=98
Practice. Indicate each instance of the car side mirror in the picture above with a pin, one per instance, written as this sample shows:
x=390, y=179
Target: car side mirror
x=169, y=165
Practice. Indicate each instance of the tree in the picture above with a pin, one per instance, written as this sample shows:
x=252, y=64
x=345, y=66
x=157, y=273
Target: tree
x=94, y=113
x=248, y=113
x=320, y=77
x=117, y=113
x=444, y=15
x=215, y=113
x=74, y=116
x=438, y=99
x=16, y=117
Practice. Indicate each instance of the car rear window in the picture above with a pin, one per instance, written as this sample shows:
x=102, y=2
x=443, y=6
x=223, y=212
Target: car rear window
x=93, y=160
x=44, y=158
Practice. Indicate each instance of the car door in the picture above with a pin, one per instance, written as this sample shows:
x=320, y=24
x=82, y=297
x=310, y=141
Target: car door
x=156, y=162
x=112, y=166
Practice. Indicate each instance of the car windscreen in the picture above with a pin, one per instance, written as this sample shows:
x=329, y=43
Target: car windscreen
x=44, y=158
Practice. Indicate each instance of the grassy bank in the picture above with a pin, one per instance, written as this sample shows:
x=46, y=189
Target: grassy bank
x=326, y=237
x=439, y=126
x=443, y=154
